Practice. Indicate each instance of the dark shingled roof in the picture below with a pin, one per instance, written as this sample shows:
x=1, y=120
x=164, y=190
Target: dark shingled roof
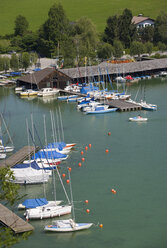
x=38, y=76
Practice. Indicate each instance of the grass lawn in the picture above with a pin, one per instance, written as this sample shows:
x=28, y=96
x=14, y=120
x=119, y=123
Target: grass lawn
x=98, y=11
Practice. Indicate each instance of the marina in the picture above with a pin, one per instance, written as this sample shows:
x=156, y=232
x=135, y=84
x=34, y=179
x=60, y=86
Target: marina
x=117, y=169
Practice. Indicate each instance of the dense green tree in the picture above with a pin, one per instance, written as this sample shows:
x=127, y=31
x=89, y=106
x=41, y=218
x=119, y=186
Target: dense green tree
x=137, y=48
x=160, y=28
x=118, y=49
x=149, y=47
x=55, y=30
x=29, y=42
x=16, y=43
x=105, y=51
x=126, y=28
x=25, y=60
x=14, y=62
x=21, y=25
x=111, y=31
x=161, y=46
x=6, y=63
x=146, y=33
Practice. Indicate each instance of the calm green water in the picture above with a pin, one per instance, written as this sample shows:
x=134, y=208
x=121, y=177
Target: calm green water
x=136, y=166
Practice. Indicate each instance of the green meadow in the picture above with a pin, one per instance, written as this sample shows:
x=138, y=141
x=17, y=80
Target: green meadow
x=97, y=10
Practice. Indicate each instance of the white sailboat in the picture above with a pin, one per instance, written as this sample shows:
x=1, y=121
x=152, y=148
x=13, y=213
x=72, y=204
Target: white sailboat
x=3, y=148
x=68, y=225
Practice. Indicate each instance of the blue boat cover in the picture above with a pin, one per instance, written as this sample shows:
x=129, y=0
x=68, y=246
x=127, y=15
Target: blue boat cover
x=48, y=155
x=84, y=90
x=33, y=203
x=33, y=165
x=59, y=145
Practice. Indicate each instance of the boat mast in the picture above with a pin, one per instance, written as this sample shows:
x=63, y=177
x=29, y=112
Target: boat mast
x=72, y=202
x=61, y=124
x=7, y=130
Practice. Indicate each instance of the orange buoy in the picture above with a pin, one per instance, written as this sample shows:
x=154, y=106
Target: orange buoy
x=69, y=169
x=67, y=181
x=107, y=150
x=86, y=201
x=113, y=191
x=109, y=133
x=90, y=145
x=101, y=225
x=86, y=148
x=82, y=152
x=83, y=159
x=88, y=211
x=63, y=175
x=79, y=164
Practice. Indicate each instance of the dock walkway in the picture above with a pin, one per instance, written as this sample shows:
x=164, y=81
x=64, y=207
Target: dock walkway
x=123, y=106
x=10, y=219
x=19, y=156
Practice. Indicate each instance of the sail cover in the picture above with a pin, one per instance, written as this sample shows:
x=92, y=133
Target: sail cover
x=33, y=165
x=48, y=155
x=36, y=202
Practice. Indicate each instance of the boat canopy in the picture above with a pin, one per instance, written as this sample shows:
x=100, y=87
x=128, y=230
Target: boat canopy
x=36, y=202
x=33, y=165
x=85, y=90
x=48, y=155
x=59, y=145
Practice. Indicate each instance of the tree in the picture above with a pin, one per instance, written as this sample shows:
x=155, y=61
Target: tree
x=55, y=30
x=85, y=37
x=149, y=47
x=6, y=63
x=146, y=33
x=137, y=48
x=111, y=31
x=14, y=62
x=21, y=25
x=9, y=193
x=161, y=46
x=105, y=51
x=160, y=27
x=118, y=49
x=126, y=28
x=25, y=60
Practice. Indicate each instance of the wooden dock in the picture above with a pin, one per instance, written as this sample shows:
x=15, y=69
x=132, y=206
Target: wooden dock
x=123, y=106
x=10, y=219
x=19, y=156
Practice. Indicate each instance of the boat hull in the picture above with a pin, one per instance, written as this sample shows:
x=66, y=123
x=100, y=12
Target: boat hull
x=101, y=111
x=135, y=119
x=68, y=228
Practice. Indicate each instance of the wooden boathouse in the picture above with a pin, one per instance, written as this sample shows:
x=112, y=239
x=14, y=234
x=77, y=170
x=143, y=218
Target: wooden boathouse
x=18, y=157
x=11, y=220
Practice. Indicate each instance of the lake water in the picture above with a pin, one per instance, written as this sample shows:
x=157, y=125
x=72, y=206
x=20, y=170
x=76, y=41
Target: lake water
x=135, y=166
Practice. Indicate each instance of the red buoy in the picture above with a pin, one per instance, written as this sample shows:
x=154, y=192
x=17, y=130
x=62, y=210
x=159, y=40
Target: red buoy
x=88, y=211
x=63, y=175
x=109, y=133
x=90, y=145
x=82, y=152
x=101, y=225
x=86, y=201
x=113, y=191
x=107, y=150
x=69, y=169
x=67, y=181
x=83, y=159
x=79, y=164
x=86, y=148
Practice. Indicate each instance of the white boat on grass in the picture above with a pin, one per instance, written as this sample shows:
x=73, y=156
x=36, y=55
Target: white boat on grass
x=138, y=119
x=68, y=225
x=48, y=92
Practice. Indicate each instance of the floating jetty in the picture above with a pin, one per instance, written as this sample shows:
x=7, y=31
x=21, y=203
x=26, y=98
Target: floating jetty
x=11, y=220
x=123, y=106
x=19, y=156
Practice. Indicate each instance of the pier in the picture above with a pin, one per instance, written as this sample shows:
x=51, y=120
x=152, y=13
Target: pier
x=13, y=221
x=123, y=106
x=19, y=156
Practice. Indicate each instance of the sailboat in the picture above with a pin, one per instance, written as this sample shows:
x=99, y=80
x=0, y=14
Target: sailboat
x=68, y=225
x=3, y=148
x=50, y=210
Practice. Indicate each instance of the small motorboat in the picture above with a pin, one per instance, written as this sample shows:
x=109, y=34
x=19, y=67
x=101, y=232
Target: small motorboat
x=101, y=109
x=48, y=92
x=29, y=92
x=68, y=225
x=138, y=119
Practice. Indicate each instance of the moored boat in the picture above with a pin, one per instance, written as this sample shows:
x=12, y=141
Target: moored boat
x=138, y=119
